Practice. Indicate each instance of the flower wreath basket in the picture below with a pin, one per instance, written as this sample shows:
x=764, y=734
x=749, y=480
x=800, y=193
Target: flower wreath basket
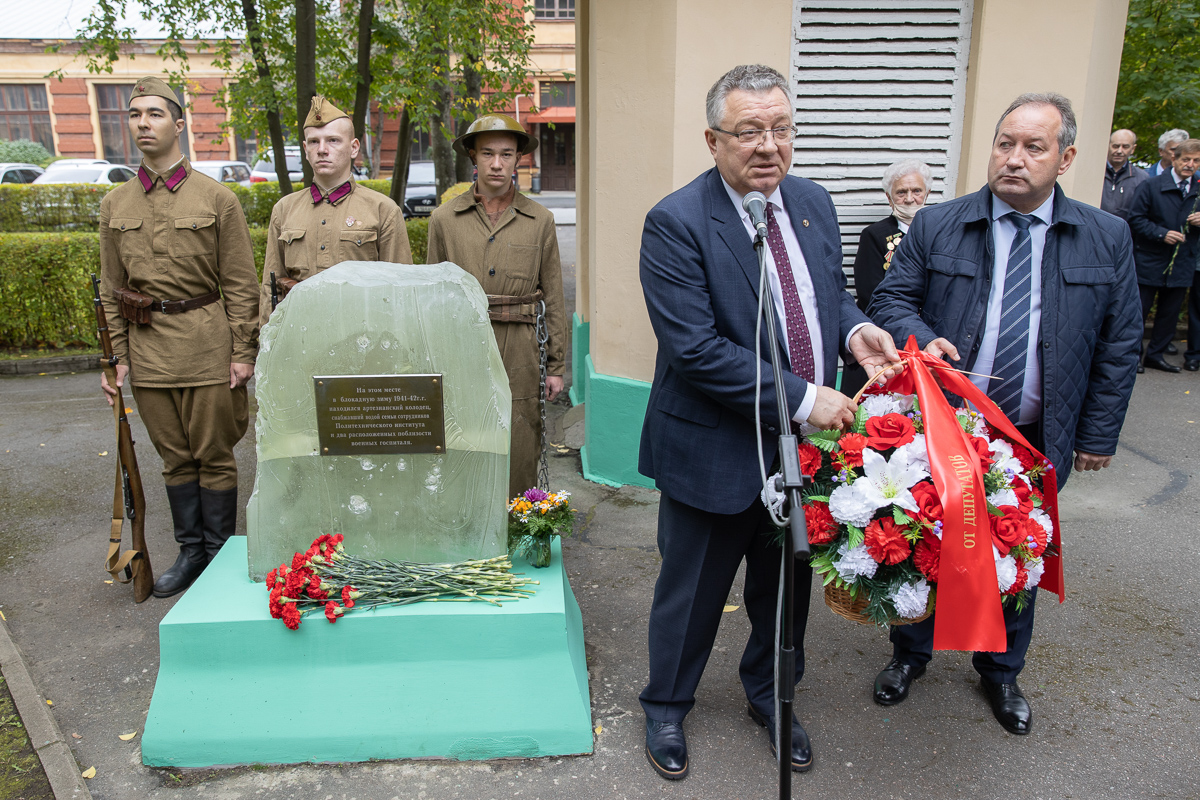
x=903, y=506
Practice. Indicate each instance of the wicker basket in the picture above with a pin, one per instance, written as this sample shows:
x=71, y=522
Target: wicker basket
x=842, y=604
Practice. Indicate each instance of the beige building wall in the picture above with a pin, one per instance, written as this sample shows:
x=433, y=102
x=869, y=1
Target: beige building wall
x=648, y=68
x=1072, y=47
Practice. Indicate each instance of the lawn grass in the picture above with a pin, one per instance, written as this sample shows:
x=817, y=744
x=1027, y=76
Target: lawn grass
x=15, y=353
x=21, y=774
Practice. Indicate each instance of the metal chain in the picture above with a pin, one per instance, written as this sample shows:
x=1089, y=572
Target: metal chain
x=543, y=336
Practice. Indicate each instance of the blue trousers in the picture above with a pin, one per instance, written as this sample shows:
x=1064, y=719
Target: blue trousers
x=701, y=553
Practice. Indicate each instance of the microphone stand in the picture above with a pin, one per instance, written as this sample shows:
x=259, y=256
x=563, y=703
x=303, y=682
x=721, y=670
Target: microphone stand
x=795, y=545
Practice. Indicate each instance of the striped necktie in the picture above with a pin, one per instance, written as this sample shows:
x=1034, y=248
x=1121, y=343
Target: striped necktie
x=1012, y=342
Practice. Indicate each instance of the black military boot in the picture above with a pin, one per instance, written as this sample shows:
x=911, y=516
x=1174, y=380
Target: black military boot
x=189, y=532
x=219, y=509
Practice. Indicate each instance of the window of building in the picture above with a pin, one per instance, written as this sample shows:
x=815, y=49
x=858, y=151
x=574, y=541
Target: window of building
x=554, y=9
x=246, y=149
x=422, y=146
x=25, y=114
x=558, y=93
x=112, y=101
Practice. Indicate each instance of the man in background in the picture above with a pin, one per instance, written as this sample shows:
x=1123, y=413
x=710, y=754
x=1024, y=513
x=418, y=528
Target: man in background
x=1121, y=177
x=1166, y=151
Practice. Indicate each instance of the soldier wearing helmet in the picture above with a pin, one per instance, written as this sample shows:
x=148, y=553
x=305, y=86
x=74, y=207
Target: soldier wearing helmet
x=335, y=219
x=508, y=243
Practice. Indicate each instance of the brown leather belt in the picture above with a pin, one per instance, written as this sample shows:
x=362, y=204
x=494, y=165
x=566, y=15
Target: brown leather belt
x=514, y=308
x=180, y=306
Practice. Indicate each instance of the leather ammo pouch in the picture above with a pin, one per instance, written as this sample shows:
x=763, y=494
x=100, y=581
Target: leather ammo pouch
x=133, y=306
x=514, y=308
x=284, y=285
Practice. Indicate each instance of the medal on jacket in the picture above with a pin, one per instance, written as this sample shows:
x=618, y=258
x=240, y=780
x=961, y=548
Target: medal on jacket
x=893, y=242
x=349, y=222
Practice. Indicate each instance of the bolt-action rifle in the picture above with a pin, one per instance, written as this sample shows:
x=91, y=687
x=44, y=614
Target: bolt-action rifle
x=129, y=501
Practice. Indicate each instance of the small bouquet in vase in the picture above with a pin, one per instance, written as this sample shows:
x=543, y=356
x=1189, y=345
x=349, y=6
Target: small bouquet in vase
x=534, y=519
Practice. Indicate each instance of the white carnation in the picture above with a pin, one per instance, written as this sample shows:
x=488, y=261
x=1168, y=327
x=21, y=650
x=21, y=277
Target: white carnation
x=916, y=452
x=877, y=405
x=851, y=562
x=1036, y=567
x=1003, y=497
x=1043, y=519
x=910, y=599
x=1006, y=572
x=849, y=507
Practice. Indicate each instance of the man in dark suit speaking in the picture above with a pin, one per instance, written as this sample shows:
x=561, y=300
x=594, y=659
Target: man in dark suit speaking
x=700, y=278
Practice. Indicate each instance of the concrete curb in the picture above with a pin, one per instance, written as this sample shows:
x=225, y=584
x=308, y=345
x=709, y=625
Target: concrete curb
x=47, y=740
x=50, y=366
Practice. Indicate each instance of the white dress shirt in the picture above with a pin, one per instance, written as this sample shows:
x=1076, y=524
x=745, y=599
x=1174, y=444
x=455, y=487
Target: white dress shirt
x=1003, y=234
x=804, y=288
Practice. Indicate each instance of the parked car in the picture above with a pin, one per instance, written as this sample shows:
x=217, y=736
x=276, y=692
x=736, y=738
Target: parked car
x=70, y=163
x=420, y=195
x=19, y=173
x=264, y=170
x=225, y=171
x=97, y=173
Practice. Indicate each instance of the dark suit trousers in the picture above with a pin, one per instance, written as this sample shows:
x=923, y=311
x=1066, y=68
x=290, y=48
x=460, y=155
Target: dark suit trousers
x=1193, y=350
x=1166, y=316
x=913, y=644
x=701, y=553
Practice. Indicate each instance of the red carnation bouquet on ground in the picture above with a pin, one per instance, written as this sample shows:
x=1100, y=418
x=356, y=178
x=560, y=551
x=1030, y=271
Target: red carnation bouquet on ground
x=327, y=578
x=877, y=520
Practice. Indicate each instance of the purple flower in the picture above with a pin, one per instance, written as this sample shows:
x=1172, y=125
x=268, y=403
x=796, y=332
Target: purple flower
x=535, y=495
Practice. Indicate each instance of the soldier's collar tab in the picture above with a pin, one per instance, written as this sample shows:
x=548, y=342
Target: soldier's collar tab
x=334, y=197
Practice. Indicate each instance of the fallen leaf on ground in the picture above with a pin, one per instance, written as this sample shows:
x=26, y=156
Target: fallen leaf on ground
x=49, y=702
x=90, y=772
x=76, y=736
x=128, y=410
x=125, y=737
x=599, y=729
x=727, y=609
x=104, y=453
x=109, y=582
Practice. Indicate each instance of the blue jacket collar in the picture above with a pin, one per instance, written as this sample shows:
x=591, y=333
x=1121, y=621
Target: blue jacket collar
x=980, y=208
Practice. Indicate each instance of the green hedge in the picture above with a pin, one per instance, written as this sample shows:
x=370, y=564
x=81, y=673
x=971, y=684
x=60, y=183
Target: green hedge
x=45, y=286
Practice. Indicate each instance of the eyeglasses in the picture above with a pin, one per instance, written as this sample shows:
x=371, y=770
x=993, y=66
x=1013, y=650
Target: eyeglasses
x=754, y=138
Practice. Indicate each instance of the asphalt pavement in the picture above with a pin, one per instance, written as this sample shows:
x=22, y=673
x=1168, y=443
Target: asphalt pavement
x=1112, y=675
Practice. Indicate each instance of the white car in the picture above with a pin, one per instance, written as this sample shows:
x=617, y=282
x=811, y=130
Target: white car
x=225, y=171
x=71, y=163
x=264, y=170
x=97, y=173
x=19, y=173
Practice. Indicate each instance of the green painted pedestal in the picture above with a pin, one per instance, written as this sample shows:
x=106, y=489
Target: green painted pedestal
x=460, y=680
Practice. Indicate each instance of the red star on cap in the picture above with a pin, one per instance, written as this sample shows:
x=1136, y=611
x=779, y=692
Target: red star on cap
x=141, y=88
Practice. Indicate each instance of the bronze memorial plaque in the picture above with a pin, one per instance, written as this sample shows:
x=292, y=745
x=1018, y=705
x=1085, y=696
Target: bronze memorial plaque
x=360, y=414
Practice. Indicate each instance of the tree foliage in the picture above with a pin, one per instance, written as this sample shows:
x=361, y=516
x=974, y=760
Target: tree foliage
x=1159, y=88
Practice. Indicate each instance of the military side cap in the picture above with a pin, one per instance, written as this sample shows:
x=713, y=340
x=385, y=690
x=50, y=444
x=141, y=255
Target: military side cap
x=496, y=123
x=151, y=86
x=323, y=112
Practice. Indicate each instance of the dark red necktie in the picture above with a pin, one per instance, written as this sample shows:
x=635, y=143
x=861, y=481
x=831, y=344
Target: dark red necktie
x=800, y=351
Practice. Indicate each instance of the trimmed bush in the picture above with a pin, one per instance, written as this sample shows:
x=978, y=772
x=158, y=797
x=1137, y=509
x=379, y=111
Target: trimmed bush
x=23, y=151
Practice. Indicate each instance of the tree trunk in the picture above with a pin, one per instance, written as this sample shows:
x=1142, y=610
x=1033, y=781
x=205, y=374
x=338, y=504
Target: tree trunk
x=439, y=130
x=306, y=71
x=274, y=126
x=471, y=105
x=362, y=96
x=377, y=142
x=403, y=156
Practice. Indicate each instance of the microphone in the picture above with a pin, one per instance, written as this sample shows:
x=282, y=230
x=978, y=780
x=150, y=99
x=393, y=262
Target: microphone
x=755, y=204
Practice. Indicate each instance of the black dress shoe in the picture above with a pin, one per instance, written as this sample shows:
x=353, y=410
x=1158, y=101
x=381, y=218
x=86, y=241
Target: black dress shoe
x=1160, y=363
x=1192, y=365
x=801, y=747
x=891, y=685
x=1140, y=368
x=1009, y=705
x=666, y=749
x=1172, y=350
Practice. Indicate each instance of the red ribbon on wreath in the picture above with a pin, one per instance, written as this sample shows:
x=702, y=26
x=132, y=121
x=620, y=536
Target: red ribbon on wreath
x=969, y=613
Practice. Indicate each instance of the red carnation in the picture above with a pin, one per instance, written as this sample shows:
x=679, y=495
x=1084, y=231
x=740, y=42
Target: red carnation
x=1038, y=534
x=1022, y=579
x=981, y=449
x=928, y=502
x=291, y=616
x=822, y=527
x=272, y=577
x=1024, y=495
x=1023, y=455
x=314, y=589
x=927, y=555
x=332, y=611
x=852, y=445
x=274, y=604
x=890, y=430
x=885, y=541
x=296, y=581
x=347, y=600
x=300, y=560
x=1008, y=531
x=810, y=459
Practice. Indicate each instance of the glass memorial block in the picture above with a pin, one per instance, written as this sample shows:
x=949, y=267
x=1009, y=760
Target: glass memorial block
x=367, y=319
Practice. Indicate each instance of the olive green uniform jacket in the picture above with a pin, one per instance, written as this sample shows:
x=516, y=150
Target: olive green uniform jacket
x=178, y=239
x=518, y=257
x=305, y=238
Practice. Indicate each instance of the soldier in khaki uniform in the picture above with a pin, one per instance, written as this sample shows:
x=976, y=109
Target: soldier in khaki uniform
x=508, y=243
x=178, y=286
x=335, y=220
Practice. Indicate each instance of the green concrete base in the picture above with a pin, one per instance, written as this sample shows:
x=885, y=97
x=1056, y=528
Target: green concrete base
x=613, y=414
x=581, y=343
x=458, y=680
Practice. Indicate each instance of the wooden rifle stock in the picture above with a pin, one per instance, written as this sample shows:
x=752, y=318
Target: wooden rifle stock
x=129, y=499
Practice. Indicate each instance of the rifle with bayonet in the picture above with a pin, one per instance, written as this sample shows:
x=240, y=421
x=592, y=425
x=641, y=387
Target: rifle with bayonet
x=129, y=500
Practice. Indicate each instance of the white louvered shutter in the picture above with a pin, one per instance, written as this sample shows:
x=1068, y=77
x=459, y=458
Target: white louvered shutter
x=877, y=81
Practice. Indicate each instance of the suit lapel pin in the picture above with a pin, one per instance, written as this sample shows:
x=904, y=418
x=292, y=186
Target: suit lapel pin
x=804, y=222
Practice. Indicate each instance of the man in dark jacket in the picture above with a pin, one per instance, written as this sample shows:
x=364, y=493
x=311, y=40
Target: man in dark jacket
x=1035, y=292
x=1121, y=177
x=1166, y=238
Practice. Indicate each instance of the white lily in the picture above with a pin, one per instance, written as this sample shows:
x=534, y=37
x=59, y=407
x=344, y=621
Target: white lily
x=885, y=483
